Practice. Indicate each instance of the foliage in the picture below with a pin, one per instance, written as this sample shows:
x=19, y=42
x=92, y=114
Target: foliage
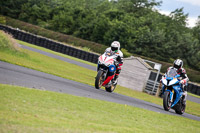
x=95, y=47
x=125, y=53
x=135, y=23
x=2, y=20
x=7, y=42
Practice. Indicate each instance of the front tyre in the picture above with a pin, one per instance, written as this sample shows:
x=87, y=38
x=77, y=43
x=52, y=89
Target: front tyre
x=99, y=79
x=166, y=101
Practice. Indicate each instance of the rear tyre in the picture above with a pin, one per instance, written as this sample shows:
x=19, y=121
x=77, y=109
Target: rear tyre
x=111, y=88
x=166, y=101
x=99, y=79
x=180, y=109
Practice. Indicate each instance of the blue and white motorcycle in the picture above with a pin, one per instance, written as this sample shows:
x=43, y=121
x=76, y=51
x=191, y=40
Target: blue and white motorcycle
x=173, y=92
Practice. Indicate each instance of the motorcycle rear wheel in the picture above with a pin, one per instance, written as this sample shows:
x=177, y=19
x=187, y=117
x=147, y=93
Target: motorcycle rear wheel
x=99, y=79
x=111, y=88
x=166, y=101
x=180, y=109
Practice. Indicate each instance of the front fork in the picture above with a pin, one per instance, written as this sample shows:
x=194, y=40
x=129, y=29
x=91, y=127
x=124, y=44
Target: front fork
x=97, y=67
x=104, y=73
x=164, y=88
x=171, y=95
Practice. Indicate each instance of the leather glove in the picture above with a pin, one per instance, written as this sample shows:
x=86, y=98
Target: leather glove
x=162, y=78
x=116, y=63
x=182, y=82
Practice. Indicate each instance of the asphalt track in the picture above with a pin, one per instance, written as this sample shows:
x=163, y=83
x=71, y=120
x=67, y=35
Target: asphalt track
x=21, y=76
x=191, y=98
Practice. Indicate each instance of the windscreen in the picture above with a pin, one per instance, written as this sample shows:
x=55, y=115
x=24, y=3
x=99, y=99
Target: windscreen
x=171, y=73
x=109, y=53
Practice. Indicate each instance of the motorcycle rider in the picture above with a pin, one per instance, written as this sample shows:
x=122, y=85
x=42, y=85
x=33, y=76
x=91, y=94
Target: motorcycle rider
x=178, y=65
x=115, y=48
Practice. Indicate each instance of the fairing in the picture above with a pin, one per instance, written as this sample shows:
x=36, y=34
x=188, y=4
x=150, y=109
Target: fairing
x=171, y=84
x=106, y=63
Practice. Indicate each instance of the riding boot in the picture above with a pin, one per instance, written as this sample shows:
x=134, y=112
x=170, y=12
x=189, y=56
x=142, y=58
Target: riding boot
x=184, y=94
x=115, y=79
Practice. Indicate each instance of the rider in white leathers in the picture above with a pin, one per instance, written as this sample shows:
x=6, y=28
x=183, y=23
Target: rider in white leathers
x=115, y=48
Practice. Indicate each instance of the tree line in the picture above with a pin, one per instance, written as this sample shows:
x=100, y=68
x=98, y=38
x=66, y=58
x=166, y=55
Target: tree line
x=139, y=27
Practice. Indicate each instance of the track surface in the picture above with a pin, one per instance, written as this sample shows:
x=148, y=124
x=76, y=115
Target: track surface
x=60, y=58
x=17, y=75
x=191, y=98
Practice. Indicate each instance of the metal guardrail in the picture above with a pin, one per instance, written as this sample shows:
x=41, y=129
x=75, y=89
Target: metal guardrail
x=50, y=44
x=192, y=88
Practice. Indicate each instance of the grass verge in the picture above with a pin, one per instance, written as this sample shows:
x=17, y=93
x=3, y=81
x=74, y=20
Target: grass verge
x=56, y=53
x=193, y=95
x=30, y=110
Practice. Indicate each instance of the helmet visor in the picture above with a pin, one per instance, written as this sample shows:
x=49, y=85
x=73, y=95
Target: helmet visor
x=176, y=66
x=114, y=48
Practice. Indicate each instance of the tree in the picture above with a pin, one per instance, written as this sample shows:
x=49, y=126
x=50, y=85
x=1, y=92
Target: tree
x=135, y=23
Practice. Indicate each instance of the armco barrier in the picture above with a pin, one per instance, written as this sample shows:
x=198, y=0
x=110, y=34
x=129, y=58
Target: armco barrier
x=49, y=44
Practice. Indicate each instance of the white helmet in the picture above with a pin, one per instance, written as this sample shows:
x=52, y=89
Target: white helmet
x=178, y=64
x=115, y=46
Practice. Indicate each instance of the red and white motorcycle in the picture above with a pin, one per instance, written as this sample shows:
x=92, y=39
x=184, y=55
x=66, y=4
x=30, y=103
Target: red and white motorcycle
x=106, y=72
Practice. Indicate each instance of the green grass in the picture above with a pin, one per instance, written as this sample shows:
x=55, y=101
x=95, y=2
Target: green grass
x=31, y=110
x=193, y=95
x=56, y=53
x=7, y=42
x=66, y=70
x=191, y=107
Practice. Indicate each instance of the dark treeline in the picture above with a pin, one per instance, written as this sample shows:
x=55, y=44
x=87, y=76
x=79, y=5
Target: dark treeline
x=135, y=23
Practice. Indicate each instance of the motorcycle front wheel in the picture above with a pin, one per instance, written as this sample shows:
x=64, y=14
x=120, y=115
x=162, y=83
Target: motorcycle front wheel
x=166, y=101
x=99, y=79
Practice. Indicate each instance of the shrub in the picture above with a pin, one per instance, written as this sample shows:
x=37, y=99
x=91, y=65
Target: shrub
x=2, y=20
x=7, y=42
x=125, y=53
x=95, y=47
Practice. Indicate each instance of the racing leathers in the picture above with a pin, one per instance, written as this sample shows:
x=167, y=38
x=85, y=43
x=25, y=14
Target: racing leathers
x=184, y=79
x=118, y=63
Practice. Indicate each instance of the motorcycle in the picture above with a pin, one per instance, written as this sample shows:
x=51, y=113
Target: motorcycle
x=173, y=92
x=106, y=72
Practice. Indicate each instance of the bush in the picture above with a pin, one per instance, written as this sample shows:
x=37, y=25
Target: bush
x=7, y=42
x=2, y=20
x=126, y=53
x=95, y=47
